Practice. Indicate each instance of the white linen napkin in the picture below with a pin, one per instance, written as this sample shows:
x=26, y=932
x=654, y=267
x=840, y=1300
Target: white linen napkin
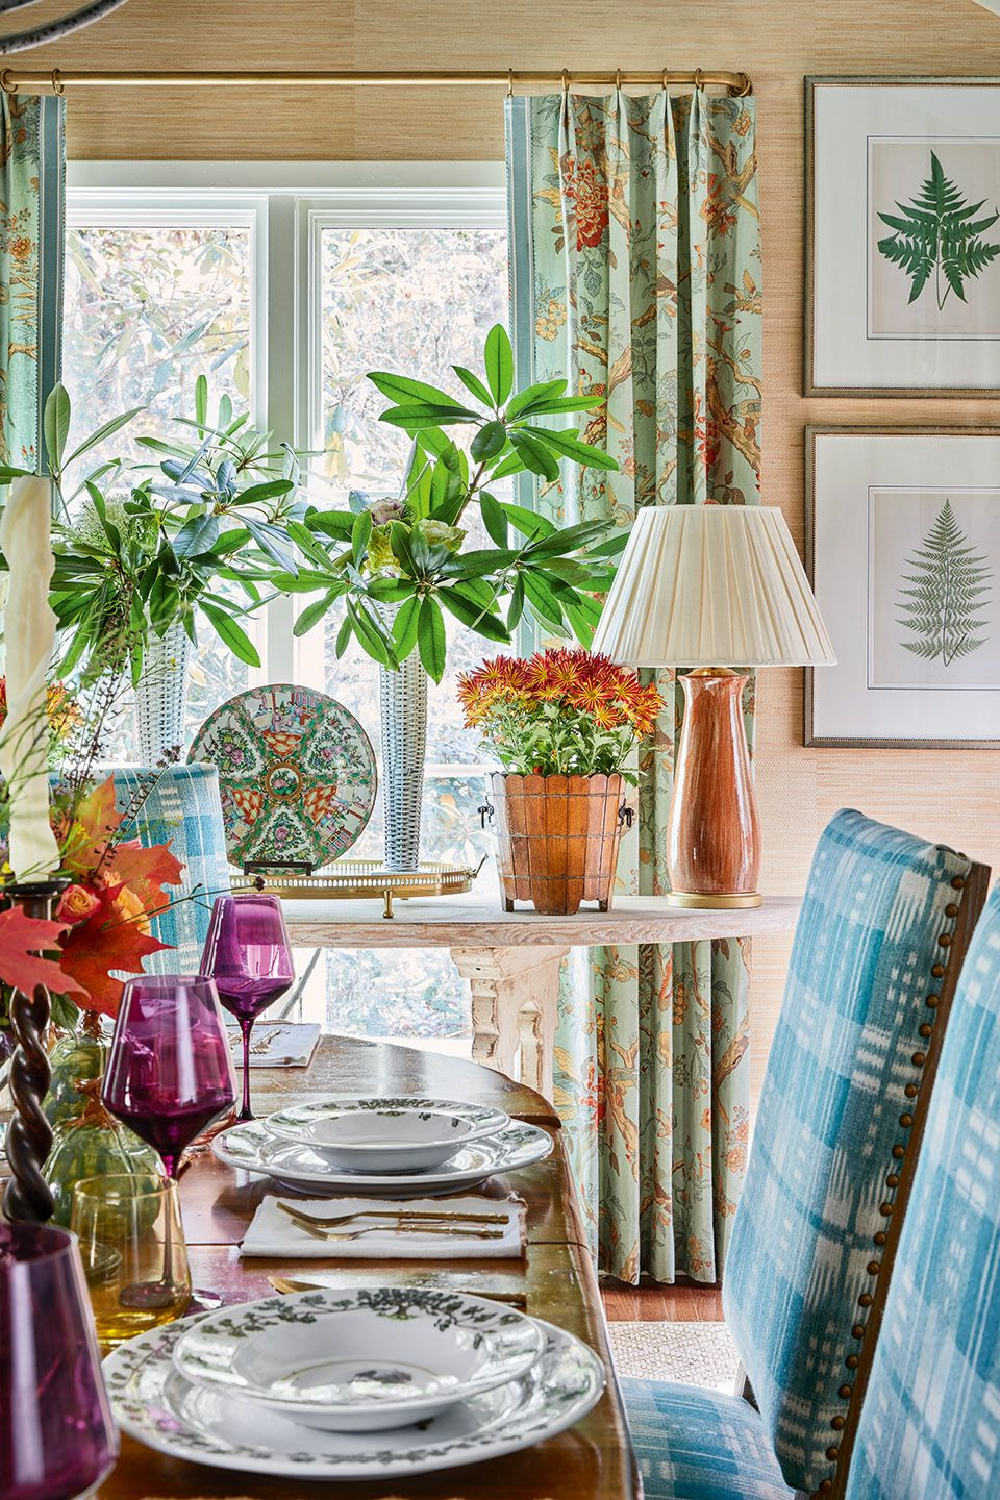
x=277, y=1044
x=272, y=1233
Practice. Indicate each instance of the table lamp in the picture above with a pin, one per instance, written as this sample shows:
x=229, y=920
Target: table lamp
x=699, y=585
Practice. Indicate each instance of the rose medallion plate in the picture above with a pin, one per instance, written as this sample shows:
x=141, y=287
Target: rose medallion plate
x=297, y=775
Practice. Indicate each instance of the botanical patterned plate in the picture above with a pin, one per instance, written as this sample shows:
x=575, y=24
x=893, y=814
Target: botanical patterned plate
x=360, y=1361
x=385, y=1135
x=153, y=1403
x=252, y=1147
x=296, y=771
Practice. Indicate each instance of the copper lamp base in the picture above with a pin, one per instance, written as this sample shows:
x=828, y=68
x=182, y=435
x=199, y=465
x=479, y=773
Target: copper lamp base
x=713, y=831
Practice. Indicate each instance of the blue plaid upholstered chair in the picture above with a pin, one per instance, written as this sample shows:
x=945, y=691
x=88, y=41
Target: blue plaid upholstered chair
x=929, y=1426
x=882, y=915
x=183, y=808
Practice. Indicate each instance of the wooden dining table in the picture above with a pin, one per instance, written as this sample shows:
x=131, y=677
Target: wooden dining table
x=556, y=1277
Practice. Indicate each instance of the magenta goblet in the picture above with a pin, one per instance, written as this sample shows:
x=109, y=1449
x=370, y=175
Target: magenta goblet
x=169, y=1072
x=248, y=954
x=57, y=1437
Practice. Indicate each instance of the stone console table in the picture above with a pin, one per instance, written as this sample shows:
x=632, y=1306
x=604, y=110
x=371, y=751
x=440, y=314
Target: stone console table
x=512, y=958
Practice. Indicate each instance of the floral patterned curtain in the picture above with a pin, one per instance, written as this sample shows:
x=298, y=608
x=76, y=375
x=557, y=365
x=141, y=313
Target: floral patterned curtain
x=32, y=239
x=635, y=270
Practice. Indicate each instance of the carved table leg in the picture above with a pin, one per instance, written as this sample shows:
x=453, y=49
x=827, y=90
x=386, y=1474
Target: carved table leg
x=514, y=994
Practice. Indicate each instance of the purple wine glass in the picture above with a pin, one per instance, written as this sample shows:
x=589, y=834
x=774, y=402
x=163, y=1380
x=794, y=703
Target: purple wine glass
x=248, y=954
x=169, y=1073
x=57, y=1437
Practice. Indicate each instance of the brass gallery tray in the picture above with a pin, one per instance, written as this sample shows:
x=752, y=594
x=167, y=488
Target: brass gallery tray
x=360, y=879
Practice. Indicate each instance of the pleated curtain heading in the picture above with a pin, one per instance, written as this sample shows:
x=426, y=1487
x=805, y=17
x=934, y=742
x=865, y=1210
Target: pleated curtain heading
x=712, y=586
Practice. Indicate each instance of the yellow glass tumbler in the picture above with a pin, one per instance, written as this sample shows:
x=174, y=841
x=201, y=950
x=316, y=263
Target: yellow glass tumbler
x=133, y=1253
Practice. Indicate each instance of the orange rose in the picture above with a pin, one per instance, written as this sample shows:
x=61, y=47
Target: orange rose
x=76, y=905
x=127, y=907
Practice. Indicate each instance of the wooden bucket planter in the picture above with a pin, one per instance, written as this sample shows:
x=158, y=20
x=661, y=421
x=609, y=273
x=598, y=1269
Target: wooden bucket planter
x=557, y=838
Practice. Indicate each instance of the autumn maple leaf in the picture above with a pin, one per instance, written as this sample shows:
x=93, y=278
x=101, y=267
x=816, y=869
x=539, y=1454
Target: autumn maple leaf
x=22, y=940
x=118, y=887
x=94, y=820
x=145, y=871
x=115, y=936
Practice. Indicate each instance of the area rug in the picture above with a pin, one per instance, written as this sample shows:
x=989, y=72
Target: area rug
x=699, y=1353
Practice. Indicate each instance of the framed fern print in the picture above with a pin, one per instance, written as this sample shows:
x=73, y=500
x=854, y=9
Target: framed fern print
x=903, y=544
x=903, y=236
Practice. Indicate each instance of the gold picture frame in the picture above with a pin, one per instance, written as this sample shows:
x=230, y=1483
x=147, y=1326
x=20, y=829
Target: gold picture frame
x=838, y=521
x=824, y=365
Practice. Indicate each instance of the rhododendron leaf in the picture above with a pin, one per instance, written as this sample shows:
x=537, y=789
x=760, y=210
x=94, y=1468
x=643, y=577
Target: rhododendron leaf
x=568, y=445
x=474, y=384
x=543, y=601
x=526, y=521
x=404, y=627
x=431, y=637
x=545, y=390
x=493, y=518
x=402, y=388
x=22, y=938
x=499, y=363
x=535, y=455
x=473, y=614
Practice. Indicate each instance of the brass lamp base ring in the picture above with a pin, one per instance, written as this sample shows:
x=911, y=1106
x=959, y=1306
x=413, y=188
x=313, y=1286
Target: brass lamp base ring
x=714, y=902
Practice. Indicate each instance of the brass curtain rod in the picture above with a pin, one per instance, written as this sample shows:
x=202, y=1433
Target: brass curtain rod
x=28, y=80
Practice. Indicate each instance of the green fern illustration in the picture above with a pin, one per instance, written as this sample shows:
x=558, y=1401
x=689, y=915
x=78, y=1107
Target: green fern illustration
x=943, y=609
x=939, y=232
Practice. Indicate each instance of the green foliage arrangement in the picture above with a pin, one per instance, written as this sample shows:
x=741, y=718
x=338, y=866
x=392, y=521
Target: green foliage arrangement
x=939, y=232
x=137, y=550
x=943, y=611
x=400, y=564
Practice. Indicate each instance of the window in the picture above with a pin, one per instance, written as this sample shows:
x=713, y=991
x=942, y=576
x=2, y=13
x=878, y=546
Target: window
x=154, y=297
x=285, y=298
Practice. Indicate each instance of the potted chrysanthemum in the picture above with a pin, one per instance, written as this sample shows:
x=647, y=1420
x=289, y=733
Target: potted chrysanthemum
x=563, y=725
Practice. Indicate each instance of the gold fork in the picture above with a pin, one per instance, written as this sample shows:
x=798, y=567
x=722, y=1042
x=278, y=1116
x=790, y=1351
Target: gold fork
x=341, y=1236
x=289, y=1284
x=425, y=1215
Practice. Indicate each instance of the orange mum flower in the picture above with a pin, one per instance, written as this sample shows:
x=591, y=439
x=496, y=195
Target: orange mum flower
x=577, y=678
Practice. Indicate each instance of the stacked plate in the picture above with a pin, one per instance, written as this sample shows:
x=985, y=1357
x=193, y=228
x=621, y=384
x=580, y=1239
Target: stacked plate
x=352, y=1385
x=394, y=1147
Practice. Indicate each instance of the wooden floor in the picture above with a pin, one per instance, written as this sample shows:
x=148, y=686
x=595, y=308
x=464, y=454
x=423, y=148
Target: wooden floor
x=651, y=1303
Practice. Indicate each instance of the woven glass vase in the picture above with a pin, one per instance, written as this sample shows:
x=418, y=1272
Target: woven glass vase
x=403, y=705
x=161, y=697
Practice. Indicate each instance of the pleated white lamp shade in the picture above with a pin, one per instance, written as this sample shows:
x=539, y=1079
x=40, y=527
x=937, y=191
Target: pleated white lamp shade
x=712, y=586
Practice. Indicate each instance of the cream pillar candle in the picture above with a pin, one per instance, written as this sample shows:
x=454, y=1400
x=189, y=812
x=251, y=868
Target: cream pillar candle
x=29, y=636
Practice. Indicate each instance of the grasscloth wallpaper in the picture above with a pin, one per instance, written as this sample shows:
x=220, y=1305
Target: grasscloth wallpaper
x=947, y=795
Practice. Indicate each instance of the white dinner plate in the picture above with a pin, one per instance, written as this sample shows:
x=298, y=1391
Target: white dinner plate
x=358, y=1361
x=252, y=1147
x=154, y=1403
x=392, y=1135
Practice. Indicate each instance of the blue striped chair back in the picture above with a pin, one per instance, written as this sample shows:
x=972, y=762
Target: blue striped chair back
x=872, y=945
x=184, y=809
x=929, y=1425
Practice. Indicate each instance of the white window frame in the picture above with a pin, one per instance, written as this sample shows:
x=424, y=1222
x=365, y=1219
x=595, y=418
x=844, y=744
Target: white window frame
x=287, y=206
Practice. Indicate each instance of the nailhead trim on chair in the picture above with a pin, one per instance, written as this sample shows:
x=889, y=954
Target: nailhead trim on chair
x=892, y=1180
